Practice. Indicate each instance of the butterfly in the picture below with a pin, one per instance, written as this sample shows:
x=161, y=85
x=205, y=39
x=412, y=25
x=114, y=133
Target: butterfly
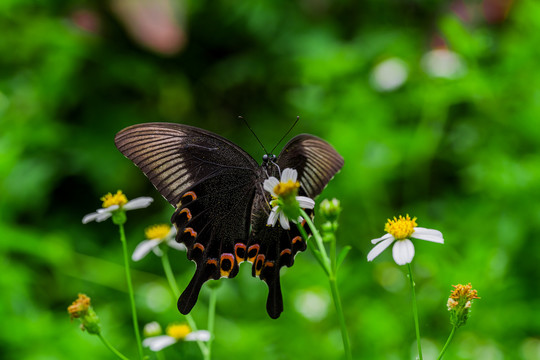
x=221, y=208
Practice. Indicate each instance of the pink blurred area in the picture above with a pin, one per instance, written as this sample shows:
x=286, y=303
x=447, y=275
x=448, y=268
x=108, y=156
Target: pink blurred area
x=157, y=25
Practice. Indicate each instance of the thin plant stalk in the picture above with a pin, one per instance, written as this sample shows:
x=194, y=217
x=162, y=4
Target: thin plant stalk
x=415, y=312
x=330, y=268
x=211, y=319
x=110, y=347
x=176, y=291
x=445, y=347
x=130, y=290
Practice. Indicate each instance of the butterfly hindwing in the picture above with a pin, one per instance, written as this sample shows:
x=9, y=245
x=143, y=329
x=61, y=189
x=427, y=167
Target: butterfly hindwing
x=211, y=183
x=316, y=162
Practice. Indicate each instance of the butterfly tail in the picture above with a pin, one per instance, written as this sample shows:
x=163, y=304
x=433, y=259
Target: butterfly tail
x=274, y=303
x=190, y=295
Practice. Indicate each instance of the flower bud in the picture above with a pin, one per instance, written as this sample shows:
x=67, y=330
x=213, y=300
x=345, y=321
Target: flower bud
x=152, y=329
x=459, y=304
x=329, y=210
x=82, y=310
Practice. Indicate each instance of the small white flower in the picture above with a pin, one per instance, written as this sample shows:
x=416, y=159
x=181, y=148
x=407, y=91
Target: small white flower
x=284, y=187
x=175, y=333
x=152, y=329
x=156, y=235
x=443, y=63
x=398, y=232
x=389, y=75
x=111, y=203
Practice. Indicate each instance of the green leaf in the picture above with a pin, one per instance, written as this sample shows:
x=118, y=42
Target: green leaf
x=342, y=254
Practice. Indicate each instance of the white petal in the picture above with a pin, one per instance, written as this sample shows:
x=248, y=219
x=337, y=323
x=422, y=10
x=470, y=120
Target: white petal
x=144, y=248
x=157, y=251
x=138, y=203
x=272, y=218
x=89, y=217
x=379, y=249
x=108, y=209
x=269, y=185
x=384, y=237
x=289, y=174
x=305, y=202
x=172, y=233
x=157, y=343
x=177, y=246
x=103, y=216
x=403, y=251
x=428, y=234
x=199, y=335
x=284, y=221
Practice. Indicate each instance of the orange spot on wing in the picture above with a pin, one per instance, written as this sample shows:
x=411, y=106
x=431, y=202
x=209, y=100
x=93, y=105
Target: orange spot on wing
x=198, y=246
x=269, y=264
x=285, y=251
x=190, y=193
x=226, y=257
x=240, y=248
x=296, y=239
x=250, y=250
x=212, y=262
x=187, y=212
x=259, y=264
x=190, y=231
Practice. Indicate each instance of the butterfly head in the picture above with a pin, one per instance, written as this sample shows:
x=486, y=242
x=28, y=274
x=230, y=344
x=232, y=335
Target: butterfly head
x=268, y=158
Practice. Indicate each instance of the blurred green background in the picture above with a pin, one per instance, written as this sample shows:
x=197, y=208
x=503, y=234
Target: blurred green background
x=434, y=105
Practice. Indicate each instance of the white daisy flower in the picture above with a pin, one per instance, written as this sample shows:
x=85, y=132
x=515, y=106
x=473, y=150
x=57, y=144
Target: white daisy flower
x=156, y=235
x=175, y=333
x=111, y=203
x=443, y=63
x=284, y=192
x=398, y=232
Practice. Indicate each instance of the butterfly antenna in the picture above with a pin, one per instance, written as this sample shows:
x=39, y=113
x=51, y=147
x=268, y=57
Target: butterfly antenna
x=253, y=132
x=287, y=133
x=278, y=168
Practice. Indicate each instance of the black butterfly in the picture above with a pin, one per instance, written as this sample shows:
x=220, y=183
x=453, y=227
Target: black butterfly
x=221, y=207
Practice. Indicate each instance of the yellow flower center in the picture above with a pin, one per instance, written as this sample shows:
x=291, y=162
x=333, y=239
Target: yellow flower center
x=117, y=199
x=178, y=331
x=285, y=189
x=157, y=231
x=464, y=292
x=401, y=228
x=79, y=307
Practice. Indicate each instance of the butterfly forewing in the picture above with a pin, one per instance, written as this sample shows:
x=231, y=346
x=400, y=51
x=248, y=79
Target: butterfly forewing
x=315, y=160
x=175, y=157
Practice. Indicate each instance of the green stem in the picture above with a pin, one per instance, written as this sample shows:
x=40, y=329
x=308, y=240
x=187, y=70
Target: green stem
x=415, y=313
x=333, y=255
x=176, y=291
x=450, y=337
x=211, y=320
x=329, y=266
x=130, y=290
x=319, y=241
x=110, y=347
x=313, y=248
x=341, y=317
x=169, y=274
